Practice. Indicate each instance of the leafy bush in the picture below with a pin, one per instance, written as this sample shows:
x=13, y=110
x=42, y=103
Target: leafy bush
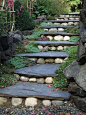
x=47, y=24
x=74, y=39
x=32, y=47
x=35, y=35
x=60, y=80
x=22, y=17
x=7, y=80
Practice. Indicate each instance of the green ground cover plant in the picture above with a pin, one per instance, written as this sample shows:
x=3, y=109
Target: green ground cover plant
x=74, y=39
x=72, y=30
x=60, y=80
x=47, y=24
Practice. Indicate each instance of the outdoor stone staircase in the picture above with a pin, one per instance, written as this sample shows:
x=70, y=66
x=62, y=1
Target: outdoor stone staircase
x=37, y=79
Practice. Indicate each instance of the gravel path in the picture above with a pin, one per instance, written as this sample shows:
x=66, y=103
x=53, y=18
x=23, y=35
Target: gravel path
x=67, y=108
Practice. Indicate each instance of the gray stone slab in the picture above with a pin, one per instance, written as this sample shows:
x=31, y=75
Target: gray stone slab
x=56, y=43
x=73, y=13
x=52, y=54
x=59, y=33
x=26, y=89
x=69, y=17
x=61, y=21
x=48, y=27
x=39, y=70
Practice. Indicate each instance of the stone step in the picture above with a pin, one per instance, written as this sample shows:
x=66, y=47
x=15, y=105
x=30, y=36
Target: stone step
x=73, y=13
x=68, y=17
x=49, y=54
x=56, y=43
x=26, y=89
x=39, y=70
x=48, y=27
x=58, y=33
x=61, y=21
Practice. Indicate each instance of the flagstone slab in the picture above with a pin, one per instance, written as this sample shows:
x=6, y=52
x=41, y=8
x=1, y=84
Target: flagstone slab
x=50, y=54
x=59, y=33
x=61, y=21
x=48, y=27
x=56, y=43
x=26, y=89
x=39, y=70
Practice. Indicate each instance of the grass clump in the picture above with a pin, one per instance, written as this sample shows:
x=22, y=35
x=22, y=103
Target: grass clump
x=72, y=30
x=74, y=39
x=35, y=35
x=60, y=80
x=32, y=47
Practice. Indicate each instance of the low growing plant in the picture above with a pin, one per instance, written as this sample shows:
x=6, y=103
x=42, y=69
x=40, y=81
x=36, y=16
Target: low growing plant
x=47, y=24
x=60, y=80
x=74, y=39
x=72, y=30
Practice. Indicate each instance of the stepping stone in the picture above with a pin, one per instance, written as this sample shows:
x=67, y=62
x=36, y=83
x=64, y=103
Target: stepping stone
x=26, y=89
x=41, y=70
x=49, y=54
x=56, y=43
x=61, y=21
x=58, y=33
x=48, y=27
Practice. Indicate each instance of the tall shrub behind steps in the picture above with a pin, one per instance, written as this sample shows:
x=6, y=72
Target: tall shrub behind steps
x=22, y=17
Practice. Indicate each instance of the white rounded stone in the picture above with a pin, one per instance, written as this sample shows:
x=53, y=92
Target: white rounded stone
x=16, y=101
x=75, y=23
x=70, y=23
x=59, y=38
x=31, y=102
x=53, y=48
x=32, y=79
x=40, y=47
x=66, y=38
x=49, y=60
x=46, y=102
x=64, y=24
x=57, y=19
x=59, y=60
x=49, y=80
x=57, y=24
x=17, y=76
x=45, y=49
x=53, y=30
x=23, y=78
x=50, y=37
x=66, y=59
x=71, y=18
x=3, y=100
x=76, y=18
x=40, y=61
x=67, y=16
x=57, y=103
x=62, y=16
x=45, y=29
x=60, y=29
x=40, y=80
x=59, y=48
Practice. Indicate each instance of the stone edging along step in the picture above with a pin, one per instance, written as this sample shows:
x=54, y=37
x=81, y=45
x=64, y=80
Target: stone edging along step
x=61, y=21
x=56, y=43
x=49, y=54
x=48, y=27
x=26, y=89
x=59, y=33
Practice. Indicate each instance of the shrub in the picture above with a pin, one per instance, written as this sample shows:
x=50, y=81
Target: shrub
x=22, y=17
x=60, y=80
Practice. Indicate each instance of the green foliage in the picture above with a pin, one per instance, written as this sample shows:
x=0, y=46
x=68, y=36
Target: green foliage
x=23, y=19
x=35, y=35
x=60, y=80
x=20, y=49
x=32, y=47
x=74, y=39
x=7, y=80
x=72, y=30
x=47, y=24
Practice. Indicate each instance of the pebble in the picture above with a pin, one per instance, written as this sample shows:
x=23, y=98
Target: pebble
x=3, y=100
x=70, y=23
x=23, y=78
x=45, y=49
x=41, y=61
x=50, y=37
x=60, y=48
x=49, y=80
x=59, y=38
x=16, y=101
x=60, y=29
x=49, y=60
x=66, y=38
x=32, y=80
x=64, y=24
x=40, y=47
x=53, y=48
x=46, y=103
x=17, y=76
x=53, y=30
x=75, y=23
x=31, y=101
x=57, y=103
x=40, y=80
x=58, y=60
x=57, y=24
x=45, y=29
